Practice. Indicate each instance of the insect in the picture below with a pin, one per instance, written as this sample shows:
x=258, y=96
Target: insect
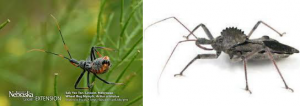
x=238, y=46
x=92, y=64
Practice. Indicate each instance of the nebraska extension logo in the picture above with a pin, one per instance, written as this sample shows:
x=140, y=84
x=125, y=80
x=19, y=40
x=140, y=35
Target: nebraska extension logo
x=20, y=94
x=28, y=96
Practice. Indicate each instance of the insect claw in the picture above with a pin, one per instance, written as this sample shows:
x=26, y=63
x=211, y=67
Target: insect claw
x=282, y=34
x=186, y=37
x=248, y=90
x=290, y=89
x=91, y=85
x=178, y=75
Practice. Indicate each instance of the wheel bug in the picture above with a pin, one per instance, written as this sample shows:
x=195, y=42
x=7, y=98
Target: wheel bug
x=92, y=64
x=237, y=45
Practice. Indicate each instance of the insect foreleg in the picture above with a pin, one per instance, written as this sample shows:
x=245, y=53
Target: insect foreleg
x=167, y=19
x=41, y=50
x=92, y=54
x=199, y=56
x=207, y=32
x=169, y=59
x=105, y=48
x=256, y=25
x=94, y=49
x=62, y=38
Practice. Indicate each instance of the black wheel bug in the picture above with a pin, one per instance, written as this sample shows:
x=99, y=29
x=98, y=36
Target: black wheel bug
x=92, y=64
x=237, y=45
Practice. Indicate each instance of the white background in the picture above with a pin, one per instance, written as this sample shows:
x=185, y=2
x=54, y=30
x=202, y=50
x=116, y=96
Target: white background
x=218, y=82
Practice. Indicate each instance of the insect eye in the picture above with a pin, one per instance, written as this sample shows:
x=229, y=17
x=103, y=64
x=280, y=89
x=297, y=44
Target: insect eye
x=105, y=62
x=266, y=37
x=220, y=40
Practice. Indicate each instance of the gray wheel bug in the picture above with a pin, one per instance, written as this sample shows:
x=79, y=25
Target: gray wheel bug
x=92, y=64
x=237, y=45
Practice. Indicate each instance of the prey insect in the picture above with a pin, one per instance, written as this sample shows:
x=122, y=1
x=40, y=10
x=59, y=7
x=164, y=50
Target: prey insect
x=237, y=45
x=92, y=64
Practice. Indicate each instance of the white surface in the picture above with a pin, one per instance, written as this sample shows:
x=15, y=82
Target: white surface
x=218, y=82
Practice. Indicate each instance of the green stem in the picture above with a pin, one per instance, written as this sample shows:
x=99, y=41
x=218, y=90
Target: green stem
x=123, y=72
x=55, y=87
x=138, y=42
x=107, y=28
x=122, y=13
x=134, y=100
x=99, y=26
x=126, y=24
x=123, y=59
x=4, y=23
x=50, y=46
x=130, y=78
x=99, y=23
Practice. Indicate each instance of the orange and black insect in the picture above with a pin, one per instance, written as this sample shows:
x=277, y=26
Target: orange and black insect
x=92, y=64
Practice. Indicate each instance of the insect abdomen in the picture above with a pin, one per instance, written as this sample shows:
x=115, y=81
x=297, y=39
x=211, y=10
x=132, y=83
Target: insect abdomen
x=98, y=67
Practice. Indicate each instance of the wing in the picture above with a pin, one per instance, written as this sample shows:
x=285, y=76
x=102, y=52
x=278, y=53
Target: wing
x=277, y=47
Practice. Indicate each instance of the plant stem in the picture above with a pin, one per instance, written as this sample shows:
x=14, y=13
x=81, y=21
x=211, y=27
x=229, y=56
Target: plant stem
x=99, y=23
x=122, y=13
x=134, y=100
x=4, y=23
x=126, y=25
x=101, y=9
x=123, y=72
x=123, y=59
x=55, y=88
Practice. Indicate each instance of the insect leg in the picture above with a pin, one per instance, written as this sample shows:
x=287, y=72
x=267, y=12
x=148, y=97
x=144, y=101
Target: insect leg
x=88, y=80
x=104, y=48
x=167, y=19
x=273, y=61
x=78, y=80
x=207, y=32
x=41, y=50
x=169, y=59
x=172, y=54
x=246, y=76
x=92, y=54
x=97, y=52
x=256, y=25
x=107, y=81
x=199, y=56
x=245, y=59
x=62, y=38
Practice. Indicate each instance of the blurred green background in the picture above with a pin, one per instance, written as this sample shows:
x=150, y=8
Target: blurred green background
x=115, y=24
